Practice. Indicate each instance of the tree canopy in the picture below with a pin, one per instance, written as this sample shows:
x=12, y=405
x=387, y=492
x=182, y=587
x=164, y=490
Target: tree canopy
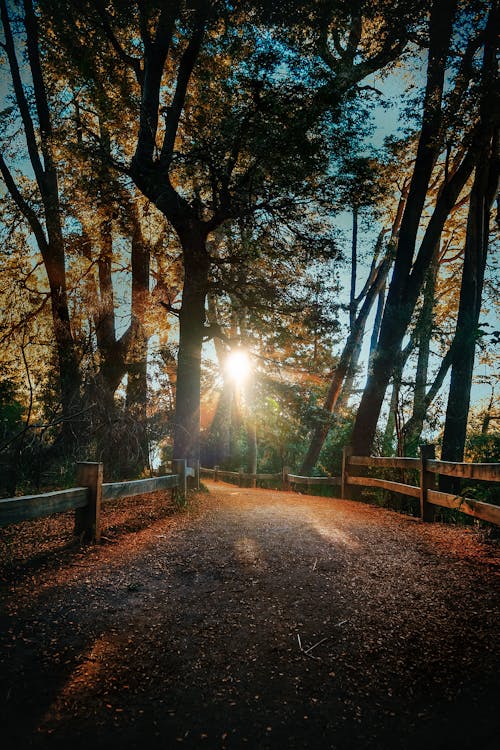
x=185, y=178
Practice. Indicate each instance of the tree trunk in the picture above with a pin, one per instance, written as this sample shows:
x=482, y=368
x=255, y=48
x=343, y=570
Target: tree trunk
x=191, y=332
x=347, y=388
x=252, y=447
x=354, y=266
x=476, y=246
x=68, y=368
x=411, y=438
x=341, y=370
x=406, y=284
x=137, y=355
x=392, y=424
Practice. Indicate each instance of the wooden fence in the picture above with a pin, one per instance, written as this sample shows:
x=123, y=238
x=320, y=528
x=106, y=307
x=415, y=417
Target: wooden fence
x=425, y=491
x=284, y=478
x=86, y=499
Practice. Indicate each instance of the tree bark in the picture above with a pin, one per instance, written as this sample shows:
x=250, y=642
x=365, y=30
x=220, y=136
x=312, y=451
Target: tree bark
x=392, y=424
x=137, y=354
x=476, y=246
x=406, y=284
x=341, y=370
x=483, y=193
x=191, y=333
x=424, y=328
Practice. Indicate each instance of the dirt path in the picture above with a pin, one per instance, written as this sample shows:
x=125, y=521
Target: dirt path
x=261, y=619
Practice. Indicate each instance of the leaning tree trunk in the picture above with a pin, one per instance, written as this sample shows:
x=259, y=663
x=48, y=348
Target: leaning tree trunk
x=342, y=369
x=476, y=245
x=408, y=276
x=411, y=437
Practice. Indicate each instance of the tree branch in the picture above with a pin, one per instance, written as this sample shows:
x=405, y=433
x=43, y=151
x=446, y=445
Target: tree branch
x=20, y=95
x=23, y=206
x=186, y=65
x=129, y=60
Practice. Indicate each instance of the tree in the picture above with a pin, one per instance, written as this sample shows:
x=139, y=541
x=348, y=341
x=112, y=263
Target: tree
x=409, y=274
x=360, y=307
x=46, y=228
x=483, y=193
x=203, y=171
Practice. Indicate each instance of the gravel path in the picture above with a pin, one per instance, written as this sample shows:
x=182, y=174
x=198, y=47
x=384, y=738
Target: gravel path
x=258, y=619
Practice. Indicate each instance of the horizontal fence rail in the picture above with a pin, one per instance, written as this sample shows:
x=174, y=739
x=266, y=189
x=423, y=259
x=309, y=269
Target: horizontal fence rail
x=486, y=472
x=428, y=468
x=475, y=508
x=283, y=477
x=86, y=500
x=385, y=484
x=28, y=507
x=310, y=481
x=116, y=490
x=388, y=462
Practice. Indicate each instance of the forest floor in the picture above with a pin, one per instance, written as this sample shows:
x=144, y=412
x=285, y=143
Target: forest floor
x=258, y=619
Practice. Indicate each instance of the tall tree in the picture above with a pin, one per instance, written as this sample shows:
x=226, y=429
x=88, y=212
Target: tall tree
x=344, y=371
x=409, y=273
x=255, y=150
x=46, y=225
x=483, y=193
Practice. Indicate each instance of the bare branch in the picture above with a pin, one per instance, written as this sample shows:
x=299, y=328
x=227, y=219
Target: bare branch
x=129, y=60
x=23, y=206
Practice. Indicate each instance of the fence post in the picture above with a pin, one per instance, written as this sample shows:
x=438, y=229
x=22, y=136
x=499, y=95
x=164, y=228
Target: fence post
x=179, y=467
x=193, y=483
x=88, y=519
x=427, y=482
x=285, y=483
x=216, y=473
x=345, y=490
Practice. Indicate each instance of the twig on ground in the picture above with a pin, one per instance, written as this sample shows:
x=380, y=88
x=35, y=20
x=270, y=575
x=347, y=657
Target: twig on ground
x=308, y=650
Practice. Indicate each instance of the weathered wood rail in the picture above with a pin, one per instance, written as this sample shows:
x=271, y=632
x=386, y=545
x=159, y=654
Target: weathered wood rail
x=425, y=491
x=86, y=500
x=283, y=478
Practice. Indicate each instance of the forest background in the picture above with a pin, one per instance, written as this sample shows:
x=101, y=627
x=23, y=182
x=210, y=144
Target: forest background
x=309, y=185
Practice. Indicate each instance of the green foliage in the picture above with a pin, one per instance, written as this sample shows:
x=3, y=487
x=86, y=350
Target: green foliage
x=483, y=447
x=11, y=410
x=330, y=461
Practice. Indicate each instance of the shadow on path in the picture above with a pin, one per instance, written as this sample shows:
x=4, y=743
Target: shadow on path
x=197, y=633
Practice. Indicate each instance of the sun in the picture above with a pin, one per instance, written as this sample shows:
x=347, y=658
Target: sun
x=238, y=365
